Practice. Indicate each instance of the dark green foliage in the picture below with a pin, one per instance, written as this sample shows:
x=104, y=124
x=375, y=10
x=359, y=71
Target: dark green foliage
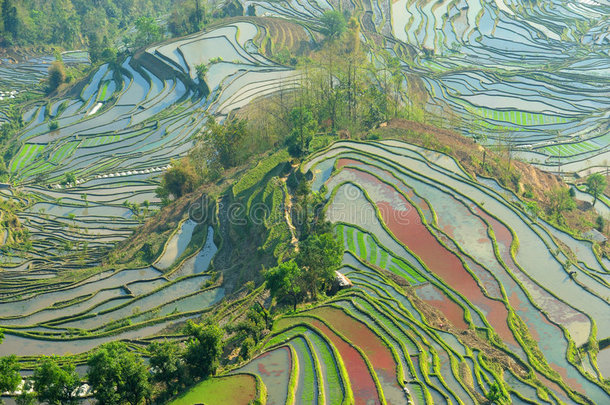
x=68, y=22
x=9, y=18
x=311, y=217
x=55, y=384
x=203, y=349
x=9, y=374
x=69, y=179
x=147, y=32
x=319, y=256
x=57, y=75
x=303, y=127
x=226, y=139
x=286, y=280
x=117, y=375
x=252, y=326
x=26, y=398
x=148, y=253
x=599, y=222
x=100, y=51
x=202, y=69
x=167, y=366
x=246, y=348
x=230, y=8
x=494, y=394
x=333, y=24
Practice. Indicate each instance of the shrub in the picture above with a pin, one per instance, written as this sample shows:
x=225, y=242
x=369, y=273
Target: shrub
x=57, y=75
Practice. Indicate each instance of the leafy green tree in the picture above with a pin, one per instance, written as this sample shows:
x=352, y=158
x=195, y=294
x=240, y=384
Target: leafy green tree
x=118, y=376
x=319, y=256
x=303, y=127
x=9, y=374
x=95, y=47
x=285, y=280
x=247, y=346
x=333, y=24
x=147, y=32
x=178, y=180
x=167, y=365
x=560, y=201
x=596, y=184
x=599, y=222
x=227, y=140
x=26, y=398
x=100, y=51
x=203, y=349
x=55, y=384
x=202, y=69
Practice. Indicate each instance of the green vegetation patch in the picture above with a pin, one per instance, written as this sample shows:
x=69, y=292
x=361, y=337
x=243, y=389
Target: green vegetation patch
x=234, y=389
x=27, y=154
x=255, y=175
x=65, y=151
x=100, y=140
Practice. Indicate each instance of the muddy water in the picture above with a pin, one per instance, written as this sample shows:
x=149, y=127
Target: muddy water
x=437, y=299
x=404, y=222
x=274, y=369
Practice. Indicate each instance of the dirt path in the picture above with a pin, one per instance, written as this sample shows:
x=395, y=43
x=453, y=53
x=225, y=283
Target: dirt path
x=288, y=215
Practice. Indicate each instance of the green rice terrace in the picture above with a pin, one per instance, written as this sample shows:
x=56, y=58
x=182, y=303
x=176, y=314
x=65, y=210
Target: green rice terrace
x=456, y=281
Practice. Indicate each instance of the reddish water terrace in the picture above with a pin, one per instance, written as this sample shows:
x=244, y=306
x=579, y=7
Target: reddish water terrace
x=437, y=298
x=363, y=386
x=407, y=227
x=377, y=353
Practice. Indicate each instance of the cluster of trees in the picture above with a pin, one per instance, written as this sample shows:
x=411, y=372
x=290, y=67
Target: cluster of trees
x=341, y=90
x=251, y=330
x=69, y=23
x=561, y=199
x=188, y=16
x=219, y=147
x=118, y=375
x=310, y=273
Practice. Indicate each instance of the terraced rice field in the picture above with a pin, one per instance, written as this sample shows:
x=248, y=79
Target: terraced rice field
x=455, y=288
x=115, y=138
x=436, y=259
x=530, y=73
